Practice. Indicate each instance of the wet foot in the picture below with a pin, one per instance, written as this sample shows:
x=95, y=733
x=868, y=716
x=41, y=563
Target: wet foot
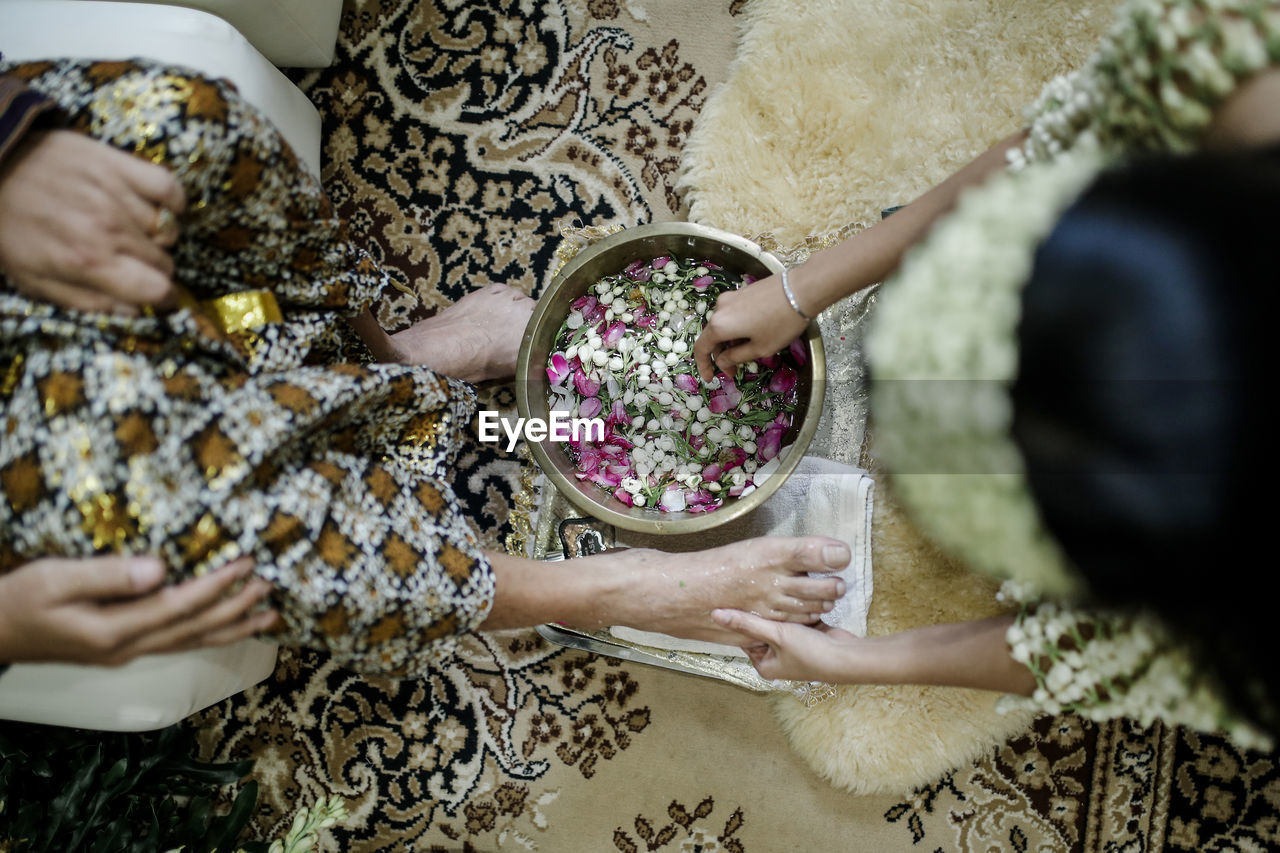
x=675, y=593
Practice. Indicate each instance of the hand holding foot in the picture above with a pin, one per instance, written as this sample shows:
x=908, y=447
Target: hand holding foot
x=790, y=651
x=676, y=593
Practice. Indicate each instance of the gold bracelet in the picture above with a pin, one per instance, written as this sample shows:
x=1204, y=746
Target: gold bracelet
x=791, y=297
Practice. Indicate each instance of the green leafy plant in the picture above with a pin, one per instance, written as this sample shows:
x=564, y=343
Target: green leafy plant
x=103, y=792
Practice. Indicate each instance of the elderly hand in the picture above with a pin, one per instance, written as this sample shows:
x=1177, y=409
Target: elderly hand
x=110, y=610
x=86, y=226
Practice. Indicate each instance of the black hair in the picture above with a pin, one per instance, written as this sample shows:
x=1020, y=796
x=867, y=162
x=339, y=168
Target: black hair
x=1143, y=373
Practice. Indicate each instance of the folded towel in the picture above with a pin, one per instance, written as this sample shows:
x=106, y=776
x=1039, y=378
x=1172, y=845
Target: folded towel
x=821, y=497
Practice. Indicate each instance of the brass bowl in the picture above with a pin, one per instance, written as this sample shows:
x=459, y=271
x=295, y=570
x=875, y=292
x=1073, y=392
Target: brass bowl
x=607, y=257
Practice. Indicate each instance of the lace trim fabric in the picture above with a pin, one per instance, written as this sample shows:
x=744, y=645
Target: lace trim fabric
x=1103, y=665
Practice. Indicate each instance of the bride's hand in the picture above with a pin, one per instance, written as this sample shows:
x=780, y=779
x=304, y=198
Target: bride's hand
x=789, y=651
x=747, y=324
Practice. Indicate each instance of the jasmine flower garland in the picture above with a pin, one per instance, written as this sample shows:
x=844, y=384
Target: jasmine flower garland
x=1102, y=665
x=1153, y=82
x=944, y=352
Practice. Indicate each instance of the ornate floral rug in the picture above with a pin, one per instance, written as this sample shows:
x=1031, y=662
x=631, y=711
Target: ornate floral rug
x=460, y=137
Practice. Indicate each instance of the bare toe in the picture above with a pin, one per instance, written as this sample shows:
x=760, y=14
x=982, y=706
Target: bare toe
x=808, y=589
x=799, y=618
x=810, y=554
x=790, y=605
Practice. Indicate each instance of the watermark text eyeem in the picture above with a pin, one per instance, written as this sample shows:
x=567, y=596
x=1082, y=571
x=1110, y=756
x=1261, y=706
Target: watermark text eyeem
x=559, y=427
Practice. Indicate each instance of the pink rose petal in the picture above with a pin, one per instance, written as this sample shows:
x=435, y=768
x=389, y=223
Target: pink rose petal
x=588, y=460
x=769, y=444
x=638, y=271
x=587, y=387
x=614, y=333
x=558, y=370
x=783, y=380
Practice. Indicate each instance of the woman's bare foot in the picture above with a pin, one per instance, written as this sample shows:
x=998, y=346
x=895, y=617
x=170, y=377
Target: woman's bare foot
x=675, y=593
x=476, y=338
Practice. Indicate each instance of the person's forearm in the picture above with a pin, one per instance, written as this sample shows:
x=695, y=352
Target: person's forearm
x=875, y=253
x=958, y=654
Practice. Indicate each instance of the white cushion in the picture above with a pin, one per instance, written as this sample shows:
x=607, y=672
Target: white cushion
x=288, y=32
x=148, y=693
x=109, y=29
x=158, y=690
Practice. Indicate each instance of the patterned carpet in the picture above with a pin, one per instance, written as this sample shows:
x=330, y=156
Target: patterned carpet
x=460, y=137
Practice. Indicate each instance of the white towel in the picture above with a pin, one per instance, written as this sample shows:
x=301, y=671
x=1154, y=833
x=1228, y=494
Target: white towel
x=821, y=497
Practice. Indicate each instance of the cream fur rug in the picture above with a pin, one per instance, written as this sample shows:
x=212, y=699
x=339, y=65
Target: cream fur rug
x=834, y=110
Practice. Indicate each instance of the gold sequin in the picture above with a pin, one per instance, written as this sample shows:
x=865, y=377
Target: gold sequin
x=245, y=311
x=12, y=374
x=105, y=522
x=425, y=432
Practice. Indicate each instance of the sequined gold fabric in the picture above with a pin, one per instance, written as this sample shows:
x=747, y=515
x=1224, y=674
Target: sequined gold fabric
x=248, y=421
x=247, y=311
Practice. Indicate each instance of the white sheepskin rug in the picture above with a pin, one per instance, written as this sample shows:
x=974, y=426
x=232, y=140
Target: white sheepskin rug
x=836, y=109
x=833, y=111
